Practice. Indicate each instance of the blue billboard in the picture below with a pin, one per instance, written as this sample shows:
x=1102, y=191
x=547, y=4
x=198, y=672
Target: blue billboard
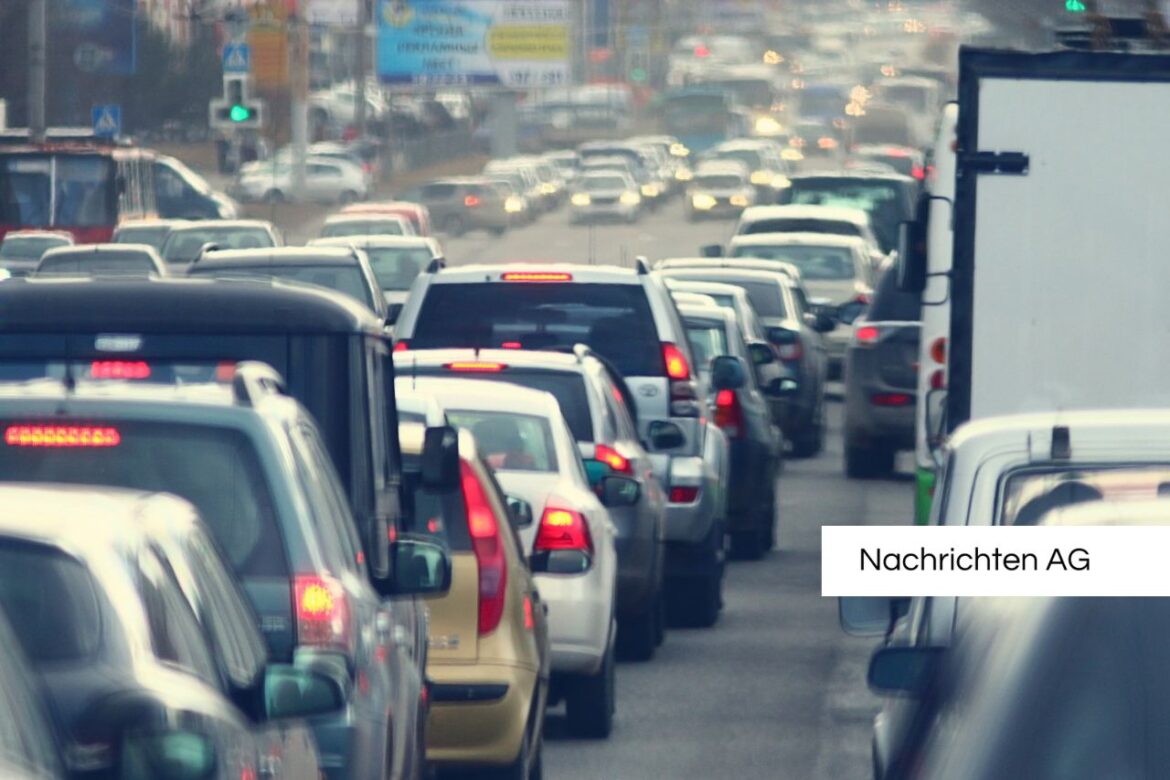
x=98, y=34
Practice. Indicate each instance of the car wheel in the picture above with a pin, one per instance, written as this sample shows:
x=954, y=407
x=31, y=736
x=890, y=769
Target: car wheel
x=809, y=441
x=749, y=545
x=868, y=462
x=637, y=636
x=589, y=702
x=455, y=224
x=347, y=196
x=274, y=196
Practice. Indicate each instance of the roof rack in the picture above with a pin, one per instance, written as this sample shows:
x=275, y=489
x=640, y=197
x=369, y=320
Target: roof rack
x=642, y=265
x=253, y=379
x=437, y=264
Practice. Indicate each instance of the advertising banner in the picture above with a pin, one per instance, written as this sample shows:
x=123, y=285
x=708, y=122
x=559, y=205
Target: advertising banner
x=332, y=13
x=512, y=43
x=99, y=35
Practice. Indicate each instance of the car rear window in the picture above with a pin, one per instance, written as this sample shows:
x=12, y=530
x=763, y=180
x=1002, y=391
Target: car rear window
x=509, y=442
x=216, y=469
x=613, y=319
x=51, y=602
x=708, y=340
x=106, y=263
x=893, y=305
x=373, y=227
x=154, y=236
x=816, y=263
x=182, y=246
x=802, y=225
x=346, y=279
x=397, y=267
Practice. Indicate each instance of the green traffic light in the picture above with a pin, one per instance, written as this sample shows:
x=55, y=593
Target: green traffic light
x=239, y=113
x=1074, y=6
x=638, y=74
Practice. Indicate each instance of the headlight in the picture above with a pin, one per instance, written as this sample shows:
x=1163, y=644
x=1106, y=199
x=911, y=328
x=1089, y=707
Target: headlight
x=760, y=178
x=684, y=174
x=827, y=143
x=767, y=125
x=792, y=155
x=679, y=150
x=548, y=189
x=513, y=205
x=781, y=182
x=630, y=198
x=581, y=199
x=739, y=200
x=650, y=190
x=702, y=201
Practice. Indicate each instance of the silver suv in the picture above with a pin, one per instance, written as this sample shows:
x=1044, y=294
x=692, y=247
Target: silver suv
x=628, y=317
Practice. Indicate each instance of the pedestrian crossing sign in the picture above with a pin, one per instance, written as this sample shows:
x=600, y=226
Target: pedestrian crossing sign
x=107, y=121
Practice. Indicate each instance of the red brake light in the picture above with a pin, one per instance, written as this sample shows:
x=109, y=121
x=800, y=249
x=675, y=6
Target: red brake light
x=61, y=436
x=475, y=366
x=728, y=414
x=702, y=51
x=511, y=345
x=225, y=371
x=792, y=351
x=892, y=399
x=529, y=618
x=562, y=529
x=866, y=334
x=536, y=276
x=322, y=609
x=119, y=369
x=938, y=380
x=614, y=459
x=918, y=172
x=684, y=494
x=676, y=362
x=489, y=550
x=938, y=350
x=401, y=346
x=471, y=201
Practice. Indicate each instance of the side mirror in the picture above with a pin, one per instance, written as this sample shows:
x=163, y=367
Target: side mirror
x=439, y=463
x=596, y=471
x=782, y=337
x=762, y=354
x=521, y=511
x=666, y=435
x=617, y=491
x=783, y=387
x=297, y=692
x=711, y=250
x=870, y=615
x=823, y=322
x=728, y=373
x=909, y=671
x=175, y=755
x=421, y=566
x=913, y=238
x=847, y=313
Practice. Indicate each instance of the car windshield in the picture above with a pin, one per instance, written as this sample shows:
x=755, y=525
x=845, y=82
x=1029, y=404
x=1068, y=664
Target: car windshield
x=1030, y=493
x=816, y=263
x=50, y=599
x=216, y=469
x=765, y=297
x=89, y=262
x=614, y=319
x=370, y=227
x=152, y=235
x=397, y=267
x=29, y=247
x=346, y=279
x=596, y=183
x=509, y=442
x=707, y=339
x=182, y=246
x=719, y=182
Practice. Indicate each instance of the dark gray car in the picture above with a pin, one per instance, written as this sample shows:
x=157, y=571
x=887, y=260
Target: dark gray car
x=881, y=380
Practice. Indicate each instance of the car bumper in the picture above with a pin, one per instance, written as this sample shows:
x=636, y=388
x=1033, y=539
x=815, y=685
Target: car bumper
x=692, y=522
x=603, y=211
x=478, y=712
x=579, y=612
x=869, y=424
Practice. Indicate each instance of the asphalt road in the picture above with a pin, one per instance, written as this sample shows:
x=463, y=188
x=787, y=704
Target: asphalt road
x=775, y=689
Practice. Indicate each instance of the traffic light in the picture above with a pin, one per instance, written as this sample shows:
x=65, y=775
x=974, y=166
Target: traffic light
x=236, y=109
x=1075, y=6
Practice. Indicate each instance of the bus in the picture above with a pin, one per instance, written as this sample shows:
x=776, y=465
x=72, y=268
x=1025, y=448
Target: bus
x=74, y=183
x=700, y=117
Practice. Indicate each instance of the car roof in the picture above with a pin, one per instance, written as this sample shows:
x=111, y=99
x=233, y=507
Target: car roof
x=857, y=175
x=18, y=234
x=453, y=393
x=728, y=264
x=721, y=313
x=1148, y=428
x=276, y=256
x=375, y=240
x=797, y=239
x=494, y=272
x=430, y=358
x=838, y=213
x=721, y=166
x=177, y=305
x=702, y=285
x=732, y=272
x=97, y=249
x=203, y=224
x=365, y=216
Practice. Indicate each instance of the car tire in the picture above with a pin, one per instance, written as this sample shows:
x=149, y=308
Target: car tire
x=590, y=701
x=868, y=462
x=809, y=441
x=274, y=196
x=455, y=224
x=749, y=545
x=637, y=637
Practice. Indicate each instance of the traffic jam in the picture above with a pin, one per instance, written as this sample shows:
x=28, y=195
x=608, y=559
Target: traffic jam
x=480, y=437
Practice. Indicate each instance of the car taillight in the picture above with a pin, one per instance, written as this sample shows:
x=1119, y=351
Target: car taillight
x=401, y=345
x=728, y=414
x=484, y=529
x=891, y=399
x=323, y=614
x=676, y=362
x=475, y=366
x=471, y=201
x=938, y=380
x=791, y=351
x=866, y=335
x=684, y=494
x=119, y=369
x=863, y=298
x=918, y=172
x=61, y=436
x=938, y=350
x=537, y=276
x=563, y=529
x=684, y=396
x=614, y=459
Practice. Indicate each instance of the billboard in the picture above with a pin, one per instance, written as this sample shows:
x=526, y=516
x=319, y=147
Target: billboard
x=520, y=44
x=98, y=34
x=332, y=13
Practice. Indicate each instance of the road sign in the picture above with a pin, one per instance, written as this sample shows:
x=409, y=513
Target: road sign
x=107, y=121
x=237, y=58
